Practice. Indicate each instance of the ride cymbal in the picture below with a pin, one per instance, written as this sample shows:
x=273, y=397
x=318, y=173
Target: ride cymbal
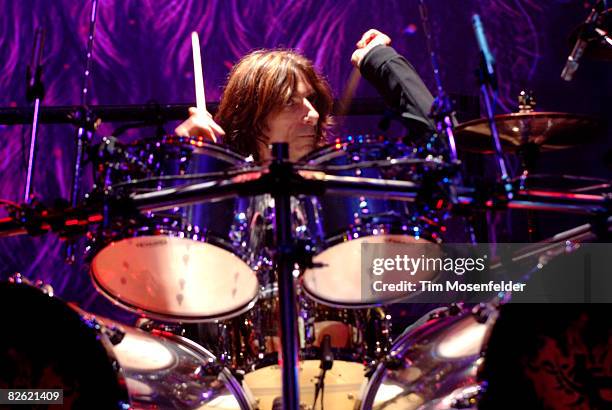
x=549, y=130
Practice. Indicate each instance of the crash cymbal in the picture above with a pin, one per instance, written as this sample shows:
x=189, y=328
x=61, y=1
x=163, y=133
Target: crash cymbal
x=549, y=130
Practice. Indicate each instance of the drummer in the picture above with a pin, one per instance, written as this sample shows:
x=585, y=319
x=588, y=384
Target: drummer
x=271, y=96
x=277, y=96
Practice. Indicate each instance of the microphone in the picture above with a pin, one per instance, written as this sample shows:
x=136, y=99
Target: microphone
x=327, y=356
x=35, y=87
x=327, y=361
x=573, y=59
x=483, y=46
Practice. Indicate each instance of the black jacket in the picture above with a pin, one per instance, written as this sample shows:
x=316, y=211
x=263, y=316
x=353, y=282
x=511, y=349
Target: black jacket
x=399, y=84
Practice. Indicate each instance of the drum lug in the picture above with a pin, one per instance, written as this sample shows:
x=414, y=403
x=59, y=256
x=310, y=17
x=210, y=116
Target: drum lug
x=470, y=398
x=453, y=310
x=392, y=362
x=40, y=285
x=114, y=334
x=149, y=325
x=18, y=278
x=238, y=374
x=370, y=368
x=481, y=313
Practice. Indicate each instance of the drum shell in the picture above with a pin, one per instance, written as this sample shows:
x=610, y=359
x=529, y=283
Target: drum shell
x=149, y=263
x=434, y=364
x=359, y=156
x=252, y=340
x=339, y=226
x=160, y=159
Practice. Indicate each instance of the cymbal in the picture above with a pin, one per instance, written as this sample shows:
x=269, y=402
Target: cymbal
x=549, y=130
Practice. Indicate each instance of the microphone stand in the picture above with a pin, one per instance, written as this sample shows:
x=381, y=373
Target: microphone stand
x=35, y=93
x=327, y=362
x=488, y=90
x=87, y=124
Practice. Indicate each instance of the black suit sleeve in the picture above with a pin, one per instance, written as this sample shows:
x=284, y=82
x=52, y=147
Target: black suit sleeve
x=399, y=84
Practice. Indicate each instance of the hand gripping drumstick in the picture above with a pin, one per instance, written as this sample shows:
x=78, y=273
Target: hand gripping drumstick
x=197, y=74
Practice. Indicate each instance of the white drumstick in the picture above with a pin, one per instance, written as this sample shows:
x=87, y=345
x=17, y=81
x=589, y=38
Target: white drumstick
x=198, y=76
x=197, y=72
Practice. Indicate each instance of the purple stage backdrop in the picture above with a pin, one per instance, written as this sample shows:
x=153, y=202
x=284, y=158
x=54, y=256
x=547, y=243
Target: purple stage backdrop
x=142, y=53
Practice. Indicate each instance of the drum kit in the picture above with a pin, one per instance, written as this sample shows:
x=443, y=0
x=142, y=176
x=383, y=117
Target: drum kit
x=265, y=258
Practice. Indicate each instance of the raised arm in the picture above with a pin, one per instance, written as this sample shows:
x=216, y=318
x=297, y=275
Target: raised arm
x=394, y=78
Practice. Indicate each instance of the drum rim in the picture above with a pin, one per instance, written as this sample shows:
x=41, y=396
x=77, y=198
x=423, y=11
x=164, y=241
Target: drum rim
x=346, y=234
x=204, y=236
x=341, y=305
x=417, y=330
x=332, y=147
x=197, y=143
x=399, y=349
x=195, y=349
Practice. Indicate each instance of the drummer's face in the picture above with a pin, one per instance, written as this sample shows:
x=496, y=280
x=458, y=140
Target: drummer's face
x=294, y=122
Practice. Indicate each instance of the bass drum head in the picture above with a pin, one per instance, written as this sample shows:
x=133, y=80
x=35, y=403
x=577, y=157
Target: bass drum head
x=172, y=278
x=342, y=384
x=46, y=345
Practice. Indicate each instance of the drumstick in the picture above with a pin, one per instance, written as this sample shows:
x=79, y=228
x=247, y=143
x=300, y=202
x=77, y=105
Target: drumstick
x=348, y=95
x=197, y=72
x=198, y=76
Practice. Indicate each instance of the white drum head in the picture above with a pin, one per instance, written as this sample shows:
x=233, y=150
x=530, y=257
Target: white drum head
x=140, y=352
x=175, y=278
x=465, y=339
x=338, y=280
x=342, y=384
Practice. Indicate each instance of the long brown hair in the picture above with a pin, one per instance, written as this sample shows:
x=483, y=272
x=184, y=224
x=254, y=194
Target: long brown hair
x=260, y=83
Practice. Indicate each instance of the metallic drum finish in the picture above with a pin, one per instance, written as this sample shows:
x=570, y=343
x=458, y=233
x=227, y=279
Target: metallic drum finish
x=434, y=363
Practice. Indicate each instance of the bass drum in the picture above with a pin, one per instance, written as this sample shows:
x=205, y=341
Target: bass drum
x=100, y=364
x=434, y=364
x=339, y=226
x=252, y=343
x=175, y=265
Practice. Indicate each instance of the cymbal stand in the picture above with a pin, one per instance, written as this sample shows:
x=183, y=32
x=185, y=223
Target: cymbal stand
x=35, y=93
x=87, y=123
x=528, y=152
x=442, y=108
x=443, y=114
